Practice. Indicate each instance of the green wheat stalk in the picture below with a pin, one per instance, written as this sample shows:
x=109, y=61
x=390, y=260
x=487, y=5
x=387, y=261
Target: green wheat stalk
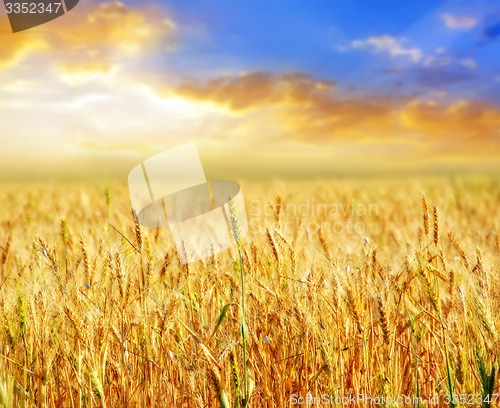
x=235, y=226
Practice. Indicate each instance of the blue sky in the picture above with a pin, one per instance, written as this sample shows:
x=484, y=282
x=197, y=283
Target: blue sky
x=457, y=42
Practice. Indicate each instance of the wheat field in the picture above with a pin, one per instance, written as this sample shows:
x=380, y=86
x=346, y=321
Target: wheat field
x=376, y=288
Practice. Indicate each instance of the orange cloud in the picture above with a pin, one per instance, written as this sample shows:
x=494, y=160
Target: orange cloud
x=16, y=47
x=92, y=37
x=111, y=32
x=249, y=91
x=458, y=126
x=313, y=113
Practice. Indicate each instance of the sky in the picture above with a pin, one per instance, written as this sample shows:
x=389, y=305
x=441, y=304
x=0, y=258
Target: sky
x=263, y=87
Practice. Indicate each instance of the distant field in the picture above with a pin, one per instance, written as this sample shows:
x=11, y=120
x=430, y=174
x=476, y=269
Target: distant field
x=370, y=287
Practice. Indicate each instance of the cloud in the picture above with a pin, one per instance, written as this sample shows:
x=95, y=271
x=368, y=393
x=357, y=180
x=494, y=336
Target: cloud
x=113, y=30
x=459, y=23
x=116, y=120
x=440, y=59
x=469, y=124
x=469, y=63
x=438, y=77
x=252, y=89
x=75, y=80
x=16, y=47
x=311, y=116
x=93, y=38
x=434, y=61
x=390, y=45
